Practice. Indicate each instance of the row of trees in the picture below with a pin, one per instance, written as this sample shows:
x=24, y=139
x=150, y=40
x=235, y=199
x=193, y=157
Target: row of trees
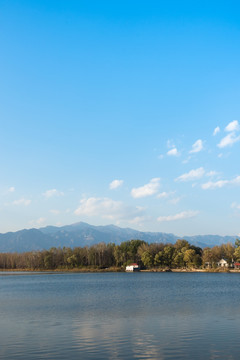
x=100, y=256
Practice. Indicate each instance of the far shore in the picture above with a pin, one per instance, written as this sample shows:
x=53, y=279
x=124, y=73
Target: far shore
x=217, y=270
x=114, y=269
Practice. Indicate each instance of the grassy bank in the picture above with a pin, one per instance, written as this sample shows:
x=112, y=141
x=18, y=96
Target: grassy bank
x=74, y=270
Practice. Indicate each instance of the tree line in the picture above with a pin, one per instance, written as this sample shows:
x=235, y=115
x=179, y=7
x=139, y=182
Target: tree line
x=101, y=256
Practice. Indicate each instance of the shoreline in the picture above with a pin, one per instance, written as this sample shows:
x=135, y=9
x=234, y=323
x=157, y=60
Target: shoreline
x=118, y=270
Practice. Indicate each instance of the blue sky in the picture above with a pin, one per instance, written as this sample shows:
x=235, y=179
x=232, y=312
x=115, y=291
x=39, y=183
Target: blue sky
x=121, y=112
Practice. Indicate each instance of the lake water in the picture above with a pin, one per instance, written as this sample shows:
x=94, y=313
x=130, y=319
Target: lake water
x=119, y=316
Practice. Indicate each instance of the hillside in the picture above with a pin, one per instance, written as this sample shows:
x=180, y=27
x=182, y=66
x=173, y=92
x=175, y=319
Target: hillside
x=83, y=234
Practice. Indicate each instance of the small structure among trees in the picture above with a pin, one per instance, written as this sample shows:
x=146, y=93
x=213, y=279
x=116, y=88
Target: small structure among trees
x=223, y=263
x=133, y=267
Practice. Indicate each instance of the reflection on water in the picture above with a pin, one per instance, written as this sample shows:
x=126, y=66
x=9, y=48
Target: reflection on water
x=116, y=316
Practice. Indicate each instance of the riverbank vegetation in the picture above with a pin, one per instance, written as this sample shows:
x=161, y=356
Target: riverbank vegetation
x=155, y=256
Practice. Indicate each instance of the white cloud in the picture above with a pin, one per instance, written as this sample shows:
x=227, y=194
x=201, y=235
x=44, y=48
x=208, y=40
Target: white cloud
x=179, y=216
x=108, y=209
x=22, y=201
x=173, y=152
x=103, y=207
x=216, y=131
x=220, y=183
x=232, y=137
x=175, y=201
x=236, y=180
x=137, y=220
x=232, y=126
x=214, y=185
x=228, y=140
x=234, y=205
x=212, y=173
x=192, y=175
x=11, y=189
x=115, y=184
x=38, y=222
x=187, y=160
x=146, y=190
x=53, y=192
x=164, y=194
x=197, y=146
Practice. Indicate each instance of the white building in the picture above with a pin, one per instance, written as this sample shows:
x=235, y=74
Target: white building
x=222, y=263
x=133, y=267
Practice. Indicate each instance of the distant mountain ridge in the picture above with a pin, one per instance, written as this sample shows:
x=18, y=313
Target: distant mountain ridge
x=83, y=234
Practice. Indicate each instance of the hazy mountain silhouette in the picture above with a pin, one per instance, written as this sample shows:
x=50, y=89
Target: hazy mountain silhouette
x=83, y=234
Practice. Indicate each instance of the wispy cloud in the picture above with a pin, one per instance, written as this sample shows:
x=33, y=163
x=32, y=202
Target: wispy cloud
x=103, y=207
x=214, y=185
x=108, y=209
x=235, y=205
x=192, y=175
x=212, y=173
x=232, y=126
x=220, y=183
x=138, y=220
x=231, y=138
x=53, y=192
x=11, y=189
x=175, y=200
x=22, y=201
x=228, y=140
x=179, y=216
x=197, y=147
x=115, y=184
x=173, y=152
x=146, y=190
x=187, y=160
x=170, y=144
x=167, y=195
x=164, y=194
x=38, y=222
x=216, y=131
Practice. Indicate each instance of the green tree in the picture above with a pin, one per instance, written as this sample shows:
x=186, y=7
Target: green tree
x=147, y=259
x=168, y=253
x=178, y=260
x=237, y=243
x=237, y=254
x=180, y=244
x=72, y=261
x=48, y=260
x=159, y=259
x=228, y=252
x=189, y=257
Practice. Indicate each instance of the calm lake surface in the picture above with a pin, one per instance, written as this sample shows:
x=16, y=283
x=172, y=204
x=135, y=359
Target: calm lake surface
x=119, y=316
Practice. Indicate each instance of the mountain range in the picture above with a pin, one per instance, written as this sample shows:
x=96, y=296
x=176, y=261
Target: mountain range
x=83, y=234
